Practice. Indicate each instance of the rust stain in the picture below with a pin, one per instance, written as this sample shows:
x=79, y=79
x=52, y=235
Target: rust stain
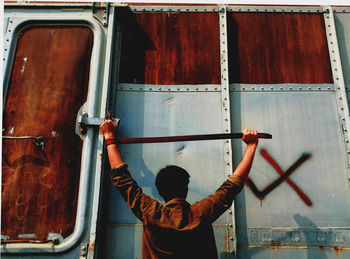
x=40, y=187
x=170, y=48
x=91, y=247
x=336, y=249
x=269, y=48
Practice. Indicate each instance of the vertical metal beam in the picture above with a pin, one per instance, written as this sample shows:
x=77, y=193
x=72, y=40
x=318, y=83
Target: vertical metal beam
x=96, y=202
x=338, y=78
x=226, y=117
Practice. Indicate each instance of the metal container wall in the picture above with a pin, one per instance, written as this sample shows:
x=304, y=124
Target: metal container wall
x=180, y=70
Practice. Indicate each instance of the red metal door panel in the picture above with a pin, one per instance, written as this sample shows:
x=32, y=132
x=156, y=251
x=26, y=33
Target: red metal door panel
x=48, y=85
x=268, y=48
x=170, y=48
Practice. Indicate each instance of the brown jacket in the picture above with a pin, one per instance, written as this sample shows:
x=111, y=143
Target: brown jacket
x=177, y=229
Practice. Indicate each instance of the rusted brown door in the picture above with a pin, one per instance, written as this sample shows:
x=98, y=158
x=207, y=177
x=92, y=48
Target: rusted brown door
x=48, y=85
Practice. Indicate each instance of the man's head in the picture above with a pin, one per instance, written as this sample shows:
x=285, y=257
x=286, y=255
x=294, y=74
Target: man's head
x=172, y=182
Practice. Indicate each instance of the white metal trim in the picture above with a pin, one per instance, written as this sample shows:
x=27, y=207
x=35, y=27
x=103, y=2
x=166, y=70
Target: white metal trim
x=87, y=153
x=172, y=8
x=168, y=88
x=226, y=120
x=99, y=150
x=338, y=77
x=276, y=9
x=281, y=87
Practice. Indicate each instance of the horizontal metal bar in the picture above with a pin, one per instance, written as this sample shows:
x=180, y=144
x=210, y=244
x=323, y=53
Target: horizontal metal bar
x=188, y=138
x=38, y=141
x=46, y=5
x=281, y=87
x=172, y=8
x=341, y=9
x=168, y=88
x=276, y=9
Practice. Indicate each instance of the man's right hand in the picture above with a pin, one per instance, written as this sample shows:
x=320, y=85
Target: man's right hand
x=108, y=129
x=250, y=136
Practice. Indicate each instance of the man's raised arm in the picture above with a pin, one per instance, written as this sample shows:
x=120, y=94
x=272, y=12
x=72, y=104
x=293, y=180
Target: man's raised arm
x=250, y=137
x=108, y=129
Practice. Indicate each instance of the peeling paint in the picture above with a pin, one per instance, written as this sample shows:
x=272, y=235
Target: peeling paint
x=11, y=130
x=26, y=235
x=54, y=134
x=24, y=64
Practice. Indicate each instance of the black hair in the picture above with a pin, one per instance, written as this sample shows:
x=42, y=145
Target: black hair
x=172, y=182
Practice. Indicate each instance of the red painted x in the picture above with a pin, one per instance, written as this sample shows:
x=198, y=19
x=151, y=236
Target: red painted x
x=283, y=177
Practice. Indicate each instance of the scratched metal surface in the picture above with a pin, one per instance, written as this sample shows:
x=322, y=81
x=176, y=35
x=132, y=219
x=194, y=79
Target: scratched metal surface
x=40, y=188
x=342, y=23
x=161, y=114
x=300, y=122
x=270, y=48
x=170, y=48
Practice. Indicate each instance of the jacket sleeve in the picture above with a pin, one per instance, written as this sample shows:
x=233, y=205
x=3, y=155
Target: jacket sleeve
x=136, y=200
x=211, y=207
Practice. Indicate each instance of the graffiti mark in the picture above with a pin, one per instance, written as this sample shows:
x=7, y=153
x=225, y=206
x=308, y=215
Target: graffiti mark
x=283, y=177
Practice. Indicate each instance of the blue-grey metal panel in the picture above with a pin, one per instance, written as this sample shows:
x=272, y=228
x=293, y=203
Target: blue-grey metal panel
x=156, y=113
x=300, y=122
x=342, y=23
x=290, y=253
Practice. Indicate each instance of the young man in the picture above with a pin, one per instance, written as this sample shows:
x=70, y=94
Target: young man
x=177, y=229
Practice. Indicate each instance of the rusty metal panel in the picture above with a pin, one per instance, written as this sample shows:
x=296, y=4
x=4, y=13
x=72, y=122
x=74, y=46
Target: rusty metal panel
x=48, y=85
x=170, y=48
x=269, y=48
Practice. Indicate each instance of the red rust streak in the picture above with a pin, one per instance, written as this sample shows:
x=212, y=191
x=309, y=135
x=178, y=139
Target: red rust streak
x=170, y=48
x=271, y=48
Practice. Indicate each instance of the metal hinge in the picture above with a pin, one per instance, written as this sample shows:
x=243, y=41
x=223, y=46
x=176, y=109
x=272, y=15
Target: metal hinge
x=100, y=11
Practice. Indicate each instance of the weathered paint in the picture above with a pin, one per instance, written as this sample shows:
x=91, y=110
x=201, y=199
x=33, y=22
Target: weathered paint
x=47, y=87
x=269, y=48
x=170, y=48
x=302, y=116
